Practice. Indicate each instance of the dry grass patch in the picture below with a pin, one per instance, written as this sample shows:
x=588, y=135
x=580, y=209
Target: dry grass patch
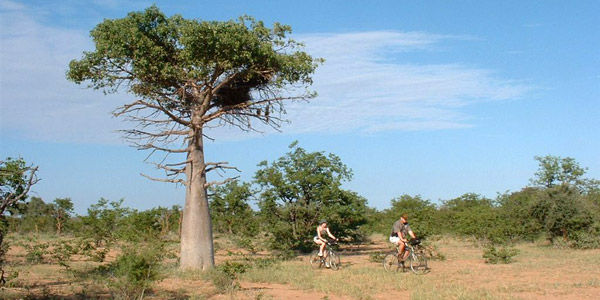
x=539, y=272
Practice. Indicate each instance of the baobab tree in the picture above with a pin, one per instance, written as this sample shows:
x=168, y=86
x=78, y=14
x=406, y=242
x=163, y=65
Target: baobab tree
x=189, y=75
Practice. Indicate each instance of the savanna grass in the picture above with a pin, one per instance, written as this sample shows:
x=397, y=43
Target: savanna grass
x=360, y=283
x=451, y=291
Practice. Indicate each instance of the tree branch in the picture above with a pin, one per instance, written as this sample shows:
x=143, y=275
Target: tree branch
x=11, y=198
x=209, y=184
x=134, y=106
x=177, y=180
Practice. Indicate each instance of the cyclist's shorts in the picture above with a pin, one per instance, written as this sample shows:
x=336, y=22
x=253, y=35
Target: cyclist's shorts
x=316, y=239
x=394, y=239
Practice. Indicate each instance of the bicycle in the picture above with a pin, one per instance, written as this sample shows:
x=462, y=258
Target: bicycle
x=332, y=258
x=416, y=259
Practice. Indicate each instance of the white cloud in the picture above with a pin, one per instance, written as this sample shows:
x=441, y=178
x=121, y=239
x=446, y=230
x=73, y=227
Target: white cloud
x=363, y=87
x=37, y=101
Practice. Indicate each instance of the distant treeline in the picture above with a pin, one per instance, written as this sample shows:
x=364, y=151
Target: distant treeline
x=295, y=191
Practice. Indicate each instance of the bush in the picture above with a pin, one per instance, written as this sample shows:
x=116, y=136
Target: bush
x=565, y=214
x=503, y=255
x=135, y=270
x=103, y=222
x=222, y=281
x=422, y=216
x=35, y=253
x=586, y=239
x=377, y=256
x=433, y=252
x=225, y=276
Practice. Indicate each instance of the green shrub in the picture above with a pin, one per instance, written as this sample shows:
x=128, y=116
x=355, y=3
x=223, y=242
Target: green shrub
x=433, y=252
x=247, y=243
x=377, y=256
x=503, y=255
x=586, y=238
x=233, y=269
x=222, y=281
x=62, y=252
x=264, y=263
x=103, y=222
x=136, y=269
x=224, y=277
x=35, y=253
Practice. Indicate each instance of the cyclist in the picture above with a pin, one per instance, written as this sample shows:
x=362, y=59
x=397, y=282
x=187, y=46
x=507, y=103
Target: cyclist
x=400, y=235
x=320, y=240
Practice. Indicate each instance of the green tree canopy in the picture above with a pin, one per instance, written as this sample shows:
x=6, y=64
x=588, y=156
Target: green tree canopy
x=471, y=215
x=36, y=216
x=555, y=170
x=515, y=213
x=16, y=178
x=422, y=215
x=230, y=210
x=566, y=214
x=302, y=187
x=62, y=209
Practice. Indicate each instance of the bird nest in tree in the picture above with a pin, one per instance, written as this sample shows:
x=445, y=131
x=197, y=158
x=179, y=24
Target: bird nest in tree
x=238, y=91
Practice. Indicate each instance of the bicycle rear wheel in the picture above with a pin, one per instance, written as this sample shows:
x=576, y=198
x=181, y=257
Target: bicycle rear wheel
x=334, y=260
x=390, y=262
x=315, y=260
x=418, y=263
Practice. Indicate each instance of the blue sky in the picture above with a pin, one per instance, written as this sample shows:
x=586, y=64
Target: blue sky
x=430, y=98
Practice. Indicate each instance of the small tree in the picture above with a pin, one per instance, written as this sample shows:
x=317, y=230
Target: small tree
x=168, y=218
x=563, y=213
x=230, y=210
x=16, y=179
x=299, y=189
x=103, y=222
x=565, y=203
x=189, y=75
x=62, y=210
x=347, y=214
x=36, y=215
x=554, y=170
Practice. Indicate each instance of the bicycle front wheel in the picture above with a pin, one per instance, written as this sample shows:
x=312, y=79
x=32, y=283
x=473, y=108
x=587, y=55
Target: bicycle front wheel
x=315, y=260
x=418, y=263
x=334, y=260
x=390, y=262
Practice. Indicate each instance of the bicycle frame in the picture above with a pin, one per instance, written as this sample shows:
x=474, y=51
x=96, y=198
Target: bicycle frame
x=416, y=259
x=330, y=258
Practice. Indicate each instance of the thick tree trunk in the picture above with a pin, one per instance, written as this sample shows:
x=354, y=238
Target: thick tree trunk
x=196, y=228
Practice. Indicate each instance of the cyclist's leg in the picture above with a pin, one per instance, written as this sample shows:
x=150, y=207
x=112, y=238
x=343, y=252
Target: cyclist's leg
x=402, y=253
x=320, y=243
x=396, y=241
x=322, y=249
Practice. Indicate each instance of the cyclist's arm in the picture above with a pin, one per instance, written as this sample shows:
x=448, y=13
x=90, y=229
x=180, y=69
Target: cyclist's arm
x=412, y=234
x=330, y=235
